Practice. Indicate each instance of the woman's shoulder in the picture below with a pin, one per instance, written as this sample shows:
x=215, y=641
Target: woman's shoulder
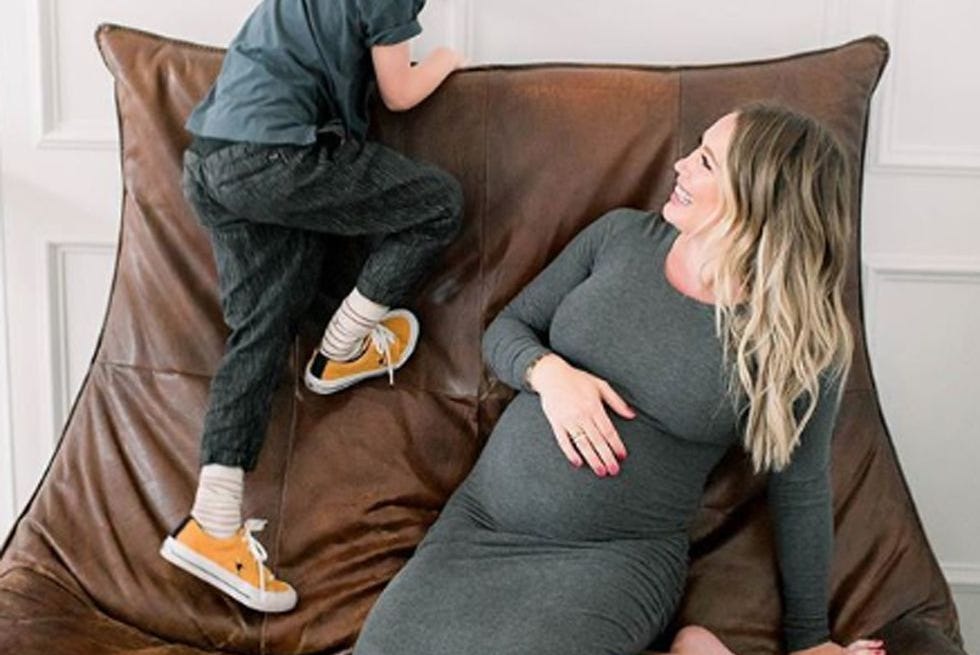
x=622, y=219
x=632, y=229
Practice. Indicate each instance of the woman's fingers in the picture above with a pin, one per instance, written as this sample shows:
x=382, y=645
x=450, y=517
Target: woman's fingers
x=581, y=423
x=581, y=440
x=601, y=446
x=594, y=448
x=577, y=444
x=615, y=401
x=565, y=443
x=610, y=435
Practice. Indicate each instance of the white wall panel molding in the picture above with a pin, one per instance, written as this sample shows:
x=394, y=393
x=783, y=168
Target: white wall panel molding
x=640, y=32
x=922, y=320
x=892, y=154
x=444, y=23
x=57, y=131
x=78, y=283
x=8, y=472
x=964, y=582
x=946, y=268
x=963, y=577
x=882, y=269
x=836, y=23
x=462, y=18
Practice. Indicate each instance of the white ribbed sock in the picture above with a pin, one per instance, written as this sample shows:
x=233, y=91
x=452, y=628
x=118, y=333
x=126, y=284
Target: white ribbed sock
x=218, y=504
x=344, y=337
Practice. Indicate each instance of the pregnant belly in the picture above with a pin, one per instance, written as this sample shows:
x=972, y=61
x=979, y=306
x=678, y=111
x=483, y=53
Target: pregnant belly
x=524, y=483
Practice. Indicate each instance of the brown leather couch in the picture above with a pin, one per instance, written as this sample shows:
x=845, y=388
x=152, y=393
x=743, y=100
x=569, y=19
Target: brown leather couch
x=541, y=151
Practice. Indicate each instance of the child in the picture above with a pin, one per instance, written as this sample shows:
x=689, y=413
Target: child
x=279, y=157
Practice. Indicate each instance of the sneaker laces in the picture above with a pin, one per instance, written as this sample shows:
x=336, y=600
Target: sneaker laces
x=255, y=548
x=381, y=339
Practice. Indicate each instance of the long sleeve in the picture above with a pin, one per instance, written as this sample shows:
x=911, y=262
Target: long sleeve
x=519, y=333
x=802, y=510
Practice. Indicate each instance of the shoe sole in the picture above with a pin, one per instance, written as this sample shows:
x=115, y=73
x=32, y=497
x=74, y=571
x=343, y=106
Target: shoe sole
x=318, y=386
x=204, y=569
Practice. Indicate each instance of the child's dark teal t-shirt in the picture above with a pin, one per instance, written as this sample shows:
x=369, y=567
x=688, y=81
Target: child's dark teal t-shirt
x=299, y=66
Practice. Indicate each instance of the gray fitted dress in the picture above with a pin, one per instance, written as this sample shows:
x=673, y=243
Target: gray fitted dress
x=532, y=556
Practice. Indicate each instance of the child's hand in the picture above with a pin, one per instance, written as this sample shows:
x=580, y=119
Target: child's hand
x=403, y=86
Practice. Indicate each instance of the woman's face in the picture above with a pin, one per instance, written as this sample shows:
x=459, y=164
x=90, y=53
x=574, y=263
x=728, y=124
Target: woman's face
x=696, y=198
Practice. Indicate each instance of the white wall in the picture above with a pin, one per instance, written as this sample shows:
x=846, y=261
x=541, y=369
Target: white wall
x=60, y=191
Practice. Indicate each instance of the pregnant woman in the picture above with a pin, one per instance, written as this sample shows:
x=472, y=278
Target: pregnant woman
x=719, y=320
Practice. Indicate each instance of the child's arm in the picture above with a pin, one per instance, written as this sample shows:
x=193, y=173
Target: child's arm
x=401, y=85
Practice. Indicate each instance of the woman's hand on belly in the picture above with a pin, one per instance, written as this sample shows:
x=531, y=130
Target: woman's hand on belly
x=572, y=401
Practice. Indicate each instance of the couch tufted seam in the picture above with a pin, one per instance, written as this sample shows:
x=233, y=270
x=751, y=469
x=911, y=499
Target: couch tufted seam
x=177, y=372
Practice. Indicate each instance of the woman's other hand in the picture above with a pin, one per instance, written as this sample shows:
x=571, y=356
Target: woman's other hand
x=572, y=400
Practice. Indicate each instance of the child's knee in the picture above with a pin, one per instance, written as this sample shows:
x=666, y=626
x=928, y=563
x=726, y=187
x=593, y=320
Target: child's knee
x=455, y=195
x=450, y=193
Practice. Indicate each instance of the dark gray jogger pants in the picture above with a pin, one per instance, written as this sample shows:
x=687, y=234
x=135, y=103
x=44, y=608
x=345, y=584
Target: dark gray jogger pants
x=265, y=208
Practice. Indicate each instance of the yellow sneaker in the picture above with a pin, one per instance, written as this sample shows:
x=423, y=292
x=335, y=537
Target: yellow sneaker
x=235, y=565
x=393, y=340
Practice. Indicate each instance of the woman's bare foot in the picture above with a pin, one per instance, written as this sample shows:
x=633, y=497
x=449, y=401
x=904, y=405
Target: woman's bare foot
x=695, y=640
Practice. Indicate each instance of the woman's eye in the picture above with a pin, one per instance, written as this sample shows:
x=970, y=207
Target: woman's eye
x=704, y=161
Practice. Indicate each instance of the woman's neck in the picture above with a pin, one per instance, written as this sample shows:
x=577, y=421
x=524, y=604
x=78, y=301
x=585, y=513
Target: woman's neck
x=685, y=258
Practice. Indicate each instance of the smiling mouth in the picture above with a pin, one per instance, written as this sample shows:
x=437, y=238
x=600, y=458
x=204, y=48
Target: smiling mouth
x=681, y=195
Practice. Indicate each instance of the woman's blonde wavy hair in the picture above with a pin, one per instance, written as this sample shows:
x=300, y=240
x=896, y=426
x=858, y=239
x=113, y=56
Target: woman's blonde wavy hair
x=781, y=242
